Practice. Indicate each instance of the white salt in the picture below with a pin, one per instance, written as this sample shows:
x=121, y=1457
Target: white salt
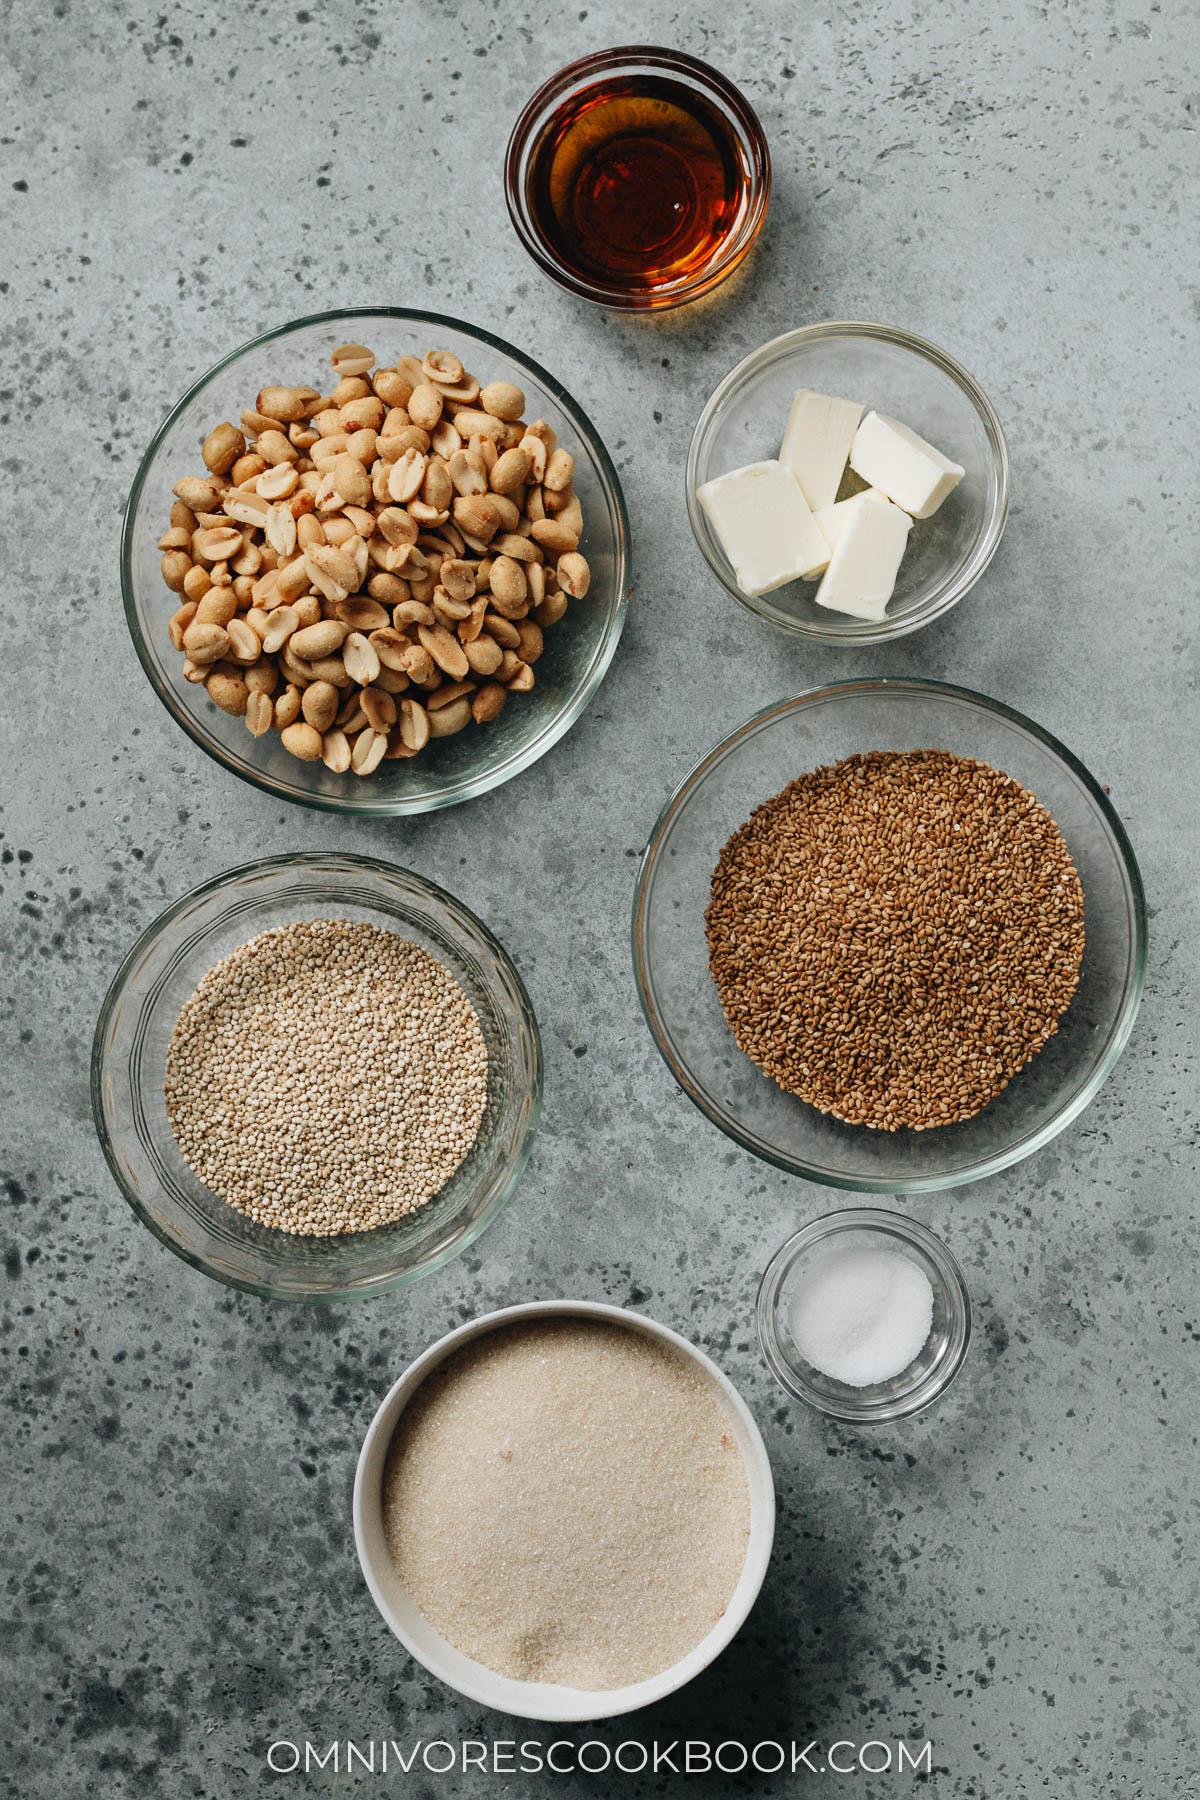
x=861, y=1315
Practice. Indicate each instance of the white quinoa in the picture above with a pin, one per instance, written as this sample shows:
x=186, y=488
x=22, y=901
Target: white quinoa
x=327, y=1076
x=565, y=1501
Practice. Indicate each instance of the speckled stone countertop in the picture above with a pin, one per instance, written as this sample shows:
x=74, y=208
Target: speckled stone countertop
x=1013, y=1577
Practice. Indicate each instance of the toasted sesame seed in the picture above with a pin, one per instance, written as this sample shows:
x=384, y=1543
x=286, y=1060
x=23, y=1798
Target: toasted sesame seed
x=893, y=936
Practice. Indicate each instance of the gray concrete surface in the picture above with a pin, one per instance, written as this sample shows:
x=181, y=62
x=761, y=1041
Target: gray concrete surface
x=1015, y=1577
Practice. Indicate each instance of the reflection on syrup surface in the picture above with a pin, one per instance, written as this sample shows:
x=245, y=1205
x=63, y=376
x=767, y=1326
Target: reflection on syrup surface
x=635, y=182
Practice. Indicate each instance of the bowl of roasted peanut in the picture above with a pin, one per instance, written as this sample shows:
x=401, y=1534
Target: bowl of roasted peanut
x=376, y=561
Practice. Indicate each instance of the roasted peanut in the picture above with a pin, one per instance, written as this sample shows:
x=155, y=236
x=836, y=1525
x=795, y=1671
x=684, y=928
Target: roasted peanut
x=414, y=724
x=176, y=565
x=510, y=471
x=205, y=643
x=319, y=704
x=221, y=449
x=217, y=607
x=178, y=623
x=503, y=399
x=408, y=527
x=284, y=404
x=560, y=471
x=318, y=640
x=483, y=654
x=443, y=367
x=445, y=649
x=531, y=641
x=551, y=609
x=487, y=702
x=574, y=576
x=391, y=387
x=352, y=359
x=503, y=630
x=508, y=583
x=301, y=741
x=449, y=719
x=554, y=537
x=196, y=582
x=477, y=516
x=229, y=692
x=283, y=622
x=260, y=714
x=380, y=708
x=425, y=405
x=335, y=751
x=367, y=753
x=273, y=447
x=360, y=658
x=287, y=707
x=406, y=475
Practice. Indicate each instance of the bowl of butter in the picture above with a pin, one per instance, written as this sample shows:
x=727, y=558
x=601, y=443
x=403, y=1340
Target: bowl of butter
x=848, y=481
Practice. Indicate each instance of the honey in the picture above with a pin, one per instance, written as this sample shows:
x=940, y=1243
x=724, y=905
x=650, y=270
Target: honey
x=635, y=184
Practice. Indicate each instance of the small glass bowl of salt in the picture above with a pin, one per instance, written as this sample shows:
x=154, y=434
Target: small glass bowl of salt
x=865, y=1315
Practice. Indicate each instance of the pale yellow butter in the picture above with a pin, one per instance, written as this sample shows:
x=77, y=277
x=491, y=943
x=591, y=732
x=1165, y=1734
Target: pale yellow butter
x=765, y=526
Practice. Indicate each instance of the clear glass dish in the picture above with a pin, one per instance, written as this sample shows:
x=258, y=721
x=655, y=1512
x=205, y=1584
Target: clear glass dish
x=942, y=1355
x=889, y=371
x=680, y=1000
x=632, y=60
x=578, y=650
x=129, y=1056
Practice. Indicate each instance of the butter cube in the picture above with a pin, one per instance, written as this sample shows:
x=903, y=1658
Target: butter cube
x=765, y=526
x=820, y=430
x=910, y=471
x=832, y=519
x=861, y=576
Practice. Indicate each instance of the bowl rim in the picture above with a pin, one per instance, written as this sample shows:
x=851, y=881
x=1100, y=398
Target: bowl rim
x=588, y=1703
x=719, y=88
x=857, y=632
x=303, y=861
x=1014, y=1153
x=934, y=1252
x=363, y=805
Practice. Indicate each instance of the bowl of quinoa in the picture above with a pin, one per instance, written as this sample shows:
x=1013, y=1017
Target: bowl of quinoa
x=317, y=1077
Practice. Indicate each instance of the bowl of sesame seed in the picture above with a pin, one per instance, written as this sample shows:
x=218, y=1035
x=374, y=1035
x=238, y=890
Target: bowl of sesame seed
x=317, y=1077
x=890, y=936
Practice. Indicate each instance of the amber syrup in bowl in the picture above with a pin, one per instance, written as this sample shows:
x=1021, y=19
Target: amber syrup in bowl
x=638, y=178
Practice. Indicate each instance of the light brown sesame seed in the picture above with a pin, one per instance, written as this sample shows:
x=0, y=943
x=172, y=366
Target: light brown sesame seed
x=893, y=936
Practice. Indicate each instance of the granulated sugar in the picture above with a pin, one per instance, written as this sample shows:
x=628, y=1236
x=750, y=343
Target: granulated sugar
x=565, y=1501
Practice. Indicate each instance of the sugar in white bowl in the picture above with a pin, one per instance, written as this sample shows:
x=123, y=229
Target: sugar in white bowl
x=861, y=1315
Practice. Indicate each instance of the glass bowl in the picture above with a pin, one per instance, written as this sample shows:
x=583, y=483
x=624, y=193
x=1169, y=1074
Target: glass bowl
x=893, y=372
x=749, y=145
x=680, y=1000
x=129, y=1055
x=941, y=1357
x=578, y=651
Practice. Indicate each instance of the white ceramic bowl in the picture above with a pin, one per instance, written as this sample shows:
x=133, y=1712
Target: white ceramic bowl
x=539, y=1699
